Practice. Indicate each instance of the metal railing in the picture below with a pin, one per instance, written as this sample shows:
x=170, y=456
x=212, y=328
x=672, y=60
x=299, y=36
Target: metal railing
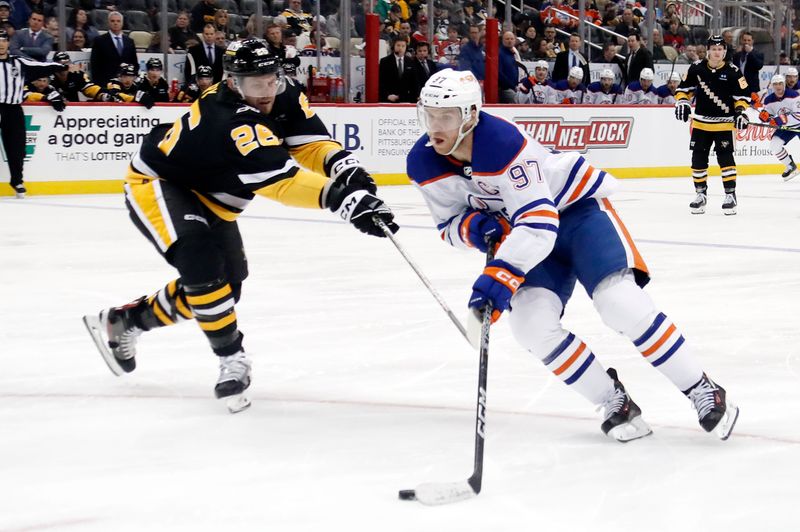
x=588, y=42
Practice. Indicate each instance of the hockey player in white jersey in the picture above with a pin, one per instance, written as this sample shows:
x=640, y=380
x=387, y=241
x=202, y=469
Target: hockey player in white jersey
x=482, y=176
x=782, y=108
x=641, y=92
x=537, y=88
x=604, y=91
x=666, y=92
x=572, y=89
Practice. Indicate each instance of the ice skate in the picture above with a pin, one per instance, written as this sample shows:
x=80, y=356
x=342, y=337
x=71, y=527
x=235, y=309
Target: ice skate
x=698, y=206
x=234, y=379
x=729, y=205
x=115, y=336
x=714, y=411
x=623, y=418
x=20, y=191
x=790, y=171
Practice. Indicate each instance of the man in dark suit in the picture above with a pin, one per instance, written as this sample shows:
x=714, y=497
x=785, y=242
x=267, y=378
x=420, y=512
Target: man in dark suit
x=422, y=68
x=571, y=57
x=394, y=73
x=205, y=53
x=32, y=41
x=749, y=61
x=638, y=58
x=111, y=50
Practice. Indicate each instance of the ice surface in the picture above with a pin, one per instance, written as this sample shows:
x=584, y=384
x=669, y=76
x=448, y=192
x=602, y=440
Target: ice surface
x=362, y=386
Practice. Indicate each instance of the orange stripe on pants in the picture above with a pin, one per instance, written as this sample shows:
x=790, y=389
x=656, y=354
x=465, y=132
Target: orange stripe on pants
x=638, y=261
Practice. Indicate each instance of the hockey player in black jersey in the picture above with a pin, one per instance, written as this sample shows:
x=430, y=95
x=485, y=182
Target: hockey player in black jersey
x=40, y=90
x=192, y=89
x=153, y=83
x=721, y=97
x=74, y=81
x=124, y=88
x=252, y=134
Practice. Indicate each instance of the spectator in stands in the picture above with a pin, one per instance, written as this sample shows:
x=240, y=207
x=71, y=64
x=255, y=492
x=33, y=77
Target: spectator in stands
x=422, y=68
x=638, y=58
x=609, y=18
x=51, y=27
x=471, y=57
x=405, y=33
x=531, y=37
x=221, y=24
x=791, y=79
x=666, y=92
x=673, y=35
x=471, y=16
x=79, y=42
x=5, y=10
x=545, y=50
x=451, y=48
x=20, y=13
x=202, y=14
x=689, y=55
x=641, y=92
x=670, y=14
x=701, y=51
x=571, y=58
x=605, y=91
x=727, y=35
x=393, y=75
x=360, y=18
x=508, y=72
x=749, y=61
x=421, y=35
x=277, y=47
x=32, y=41
x=659, y=54
x=155, y=44
x=628, y=24
x=298, y=20
x=79, y=20
x=525, y=53
x=553, y=42
x=571, y=90
x=554, y=15
x=221, y=40
x=109, y=51
x=205, y=53
x=180, y=32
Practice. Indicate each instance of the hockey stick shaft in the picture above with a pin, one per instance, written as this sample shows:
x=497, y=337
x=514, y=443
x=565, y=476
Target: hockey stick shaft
x=779, y=128
x=435, y=293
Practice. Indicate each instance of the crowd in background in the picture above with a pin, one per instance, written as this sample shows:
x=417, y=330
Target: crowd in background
x=543, y=35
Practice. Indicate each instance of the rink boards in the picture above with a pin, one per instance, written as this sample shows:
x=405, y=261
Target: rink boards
x=86, y=148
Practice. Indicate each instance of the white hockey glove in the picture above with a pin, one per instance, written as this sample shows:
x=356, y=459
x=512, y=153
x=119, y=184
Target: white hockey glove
x=345, y=168
x=291, y=51
x=741, y=121
x=55, y=99
x=683, y=110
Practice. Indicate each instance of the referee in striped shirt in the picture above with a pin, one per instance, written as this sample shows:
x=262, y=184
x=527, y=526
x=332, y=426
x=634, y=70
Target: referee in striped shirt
x=14, y=70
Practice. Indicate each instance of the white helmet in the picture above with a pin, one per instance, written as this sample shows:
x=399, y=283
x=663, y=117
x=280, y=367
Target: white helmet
x=607, y=73
x=451, y=88
x=647, y=73
x=777, y=79
x=791, y=71
x=576, y=72
x=674, y=77
x=541, y=64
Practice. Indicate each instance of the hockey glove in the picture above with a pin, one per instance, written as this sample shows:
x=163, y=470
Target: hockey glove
x=478, y=226
x=764, y=116
x=355, y=205
x=498, y=282
x=143, y=98
x=740, y=121
x=55, y=99
x=683, y=109
x=346, y=169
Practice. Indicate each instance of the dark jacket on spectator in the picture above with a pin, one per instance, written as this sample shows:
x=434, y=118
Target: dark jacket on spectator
x=471, y=58
x=178, y=37
x=390, y=81
x=634, y=64
x=105, y=58
x=562, y=66
x=202, y=14
x=196, y=56
x=419, y=76
x=23, y=44
x=508, y=72
x=753, y=62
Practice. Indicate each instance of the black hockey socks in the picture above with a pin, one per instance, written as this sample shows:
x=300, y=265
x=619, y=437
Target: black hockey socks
x=213, y=307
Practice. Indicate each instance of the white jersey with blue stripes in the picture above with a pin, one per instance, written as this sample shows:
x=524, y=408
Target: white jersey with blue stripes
x=786, y=108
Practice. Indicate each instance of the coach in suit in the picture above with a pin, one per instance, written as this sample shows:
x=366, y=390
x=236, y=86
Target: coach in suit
x=205, y=53
x=422, y=68
x=111, y=50
x=638, y=59
x=394, y=74
x=33, y=41
x=749, y=61
x=571, y=57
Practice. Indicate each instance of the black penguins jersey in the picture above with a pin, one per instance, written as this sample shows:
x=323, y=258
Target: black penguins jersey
x=158, y=92
x=75, y=83
x=226, y=151
x=718, y=92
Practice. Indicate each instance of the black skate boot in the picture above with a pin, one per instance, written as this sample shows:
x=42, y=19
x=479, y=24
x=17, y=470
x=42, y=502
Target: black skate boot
x=623, y=418
x=20, y=191
x=713, y=410
x=790, y=171
x=729, y=205
x=698, y=206
x=234, y=379
x=115, y=332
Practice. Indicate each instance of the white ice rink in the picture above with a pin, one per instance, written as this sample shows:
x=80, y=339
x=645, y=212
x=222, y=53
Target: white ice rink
x=363, y=387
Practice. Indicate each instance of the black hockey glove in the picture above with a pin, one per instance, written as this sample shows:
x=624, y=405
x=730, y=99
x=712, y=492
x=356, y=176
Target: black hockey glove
x=345, y=168
x=143, y=98
x=55, y=99
x=355, y=205
x=740, y=120
x=683, y=109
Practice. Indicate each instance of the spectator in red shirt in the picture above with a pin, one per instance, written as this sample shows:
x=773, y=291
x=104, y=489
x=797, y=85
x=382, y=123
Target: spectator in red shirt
x=673, y=37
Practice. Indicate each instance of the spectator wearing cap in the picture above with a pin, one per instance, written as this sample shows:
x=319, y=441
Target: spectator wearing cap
x=507, y=70
x=638, y=58
x=205, y=53
x=537, y=88
x=5, y=10
x=180, y=32
x=641, y=92
x=298, y=20
x=605, y=91
x=33, y=41
x=202, y=14
x=749, y=61
x=422, y=68
x=670, y=13
x=394, y=75
x=571, y=90
x=111, y=50
x=421, y=35
x=791, y=79
x=666, y=92
x=471, y=57
x=472, y=15
x=79, y=20
x=571, y=58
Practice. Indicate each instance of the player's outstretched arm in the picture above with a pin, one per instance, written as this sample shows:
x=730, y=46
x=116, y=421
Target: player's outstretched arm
x=355, y=204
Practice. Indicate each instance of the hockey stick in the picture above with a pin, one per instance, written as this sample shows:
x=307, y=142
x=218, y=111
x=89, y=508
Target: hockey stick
x=437, y=493
x=791, y=129
x=439, y=299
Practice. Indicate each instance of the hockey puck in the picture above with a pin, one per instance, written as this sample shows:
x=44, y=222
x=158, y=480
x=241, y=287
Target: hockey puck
x=407, y=495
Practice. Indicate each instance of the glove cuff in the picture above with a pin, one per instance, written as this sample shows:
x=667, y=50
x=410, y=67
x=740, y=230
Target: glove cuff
x=506, y=274
x=339, y=162
x=348, y=205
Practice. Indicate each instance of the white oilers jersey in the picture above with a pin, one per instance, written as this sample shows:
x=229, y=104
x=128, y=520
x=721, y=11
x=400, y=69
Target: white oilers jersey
x=636, y=95
x=529, y=91
x=564, y=94
x=596, y=96
x=665, y=96
x=786, y=108
x=512, y=175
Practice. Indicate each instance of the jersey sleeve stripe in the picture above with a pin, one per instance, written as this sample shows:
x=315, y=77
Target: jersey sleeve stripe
x=265, y=177
x=530, y=206
x=444, y=224
x=585, y=179
x=437, y=178
x=299, y=140
x=537, y=225
x=599, y=181
x=540, y=213
x=570, y=179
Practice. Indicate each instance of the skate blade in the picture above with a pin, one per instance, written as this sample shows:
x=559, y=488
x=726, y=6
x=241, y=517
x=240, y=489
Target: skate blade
x=791, y=176
x=237, y=403
x=698, y=210
x=94, y=327
x=633, y=430
x=729, y=212
x=728, y=421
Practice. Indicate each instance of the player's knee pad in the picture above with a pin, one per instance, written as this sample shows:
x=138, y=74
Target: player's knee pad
x=198, y=259
x=623, y=305
x=536, y=320
x=700, y=158
x=776, y=145
x=725, y=158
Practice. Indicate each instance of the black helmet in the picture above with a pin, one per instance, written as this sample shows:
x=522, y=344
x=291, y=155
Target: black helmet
x=250, y=57
x=127, y=69
x=204, y=71
x=62, y=57
x=715, y=40
x=154, y=63
x=3, y=35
